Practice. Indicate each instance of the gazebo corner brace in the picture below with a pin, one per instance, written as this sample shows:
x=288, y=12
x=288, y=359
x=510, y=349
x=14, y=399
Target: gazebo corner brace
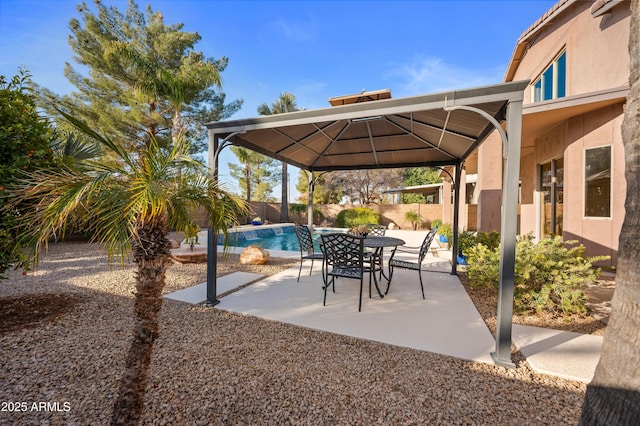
x=489, y=118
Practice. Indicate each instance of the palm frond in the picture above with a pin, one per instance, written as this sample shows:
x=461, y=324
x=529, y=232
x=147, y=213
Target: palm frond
x=119, y=150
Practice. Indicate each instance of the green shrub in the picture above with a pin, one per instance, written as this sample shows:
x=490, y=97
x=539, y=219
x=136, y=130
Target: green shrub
x=298, y=208
x=489, y=239
x=413, y=218
x=318, y=216
x=301, y=209
x=549, y=275
x=435, y=223
x=466, y=240
x=446, y=231
x=357, y=216
x=483, y=266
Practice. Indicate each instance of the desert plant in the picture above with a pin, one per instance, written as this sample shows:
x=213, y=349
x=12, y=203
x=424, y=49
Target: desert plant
x=191, y=234
x=413, y=218
x=466, y=240
x=357, y=216
x=298, y=208
x=435, y=223
x=301, y=209
x=446, y=233
x=318, y=216
x=128, y=201
x=549, y=275
x=489, y=239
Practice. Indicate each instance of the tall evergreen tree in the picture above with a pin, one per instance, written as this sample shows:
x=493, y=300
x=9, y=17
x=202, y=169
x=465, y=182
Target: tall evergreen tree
x=255, y=174
x=414, y=176
x=321, y=193
x=145, y=80
x=285, y=103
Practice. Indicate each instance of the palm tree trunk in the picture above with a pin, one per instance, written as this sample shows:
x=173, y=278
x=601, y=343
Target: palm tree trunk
x=284, y=202
x=613, y=396
x=151, y=251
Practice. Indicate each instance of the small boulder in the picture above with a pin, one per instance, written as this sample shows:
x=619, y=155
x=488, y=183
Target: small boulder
x=174, y=244
x=254, y=255
x=392, y=226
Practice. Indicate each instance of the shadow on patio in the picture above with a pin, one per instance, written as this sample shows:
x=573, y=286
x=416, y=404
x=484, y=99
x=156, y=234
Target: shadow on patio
x=446, y=322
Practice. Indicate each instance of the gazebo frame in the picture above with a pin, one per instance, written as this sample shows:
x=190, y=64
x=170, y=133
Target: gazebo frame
x=440, y=129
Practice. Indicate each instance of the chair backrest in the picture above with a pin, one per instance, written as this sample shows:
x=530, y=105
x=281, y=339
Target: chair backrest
x=424, y=248
x=304, y=238
x=376, y=230
x=343, y=250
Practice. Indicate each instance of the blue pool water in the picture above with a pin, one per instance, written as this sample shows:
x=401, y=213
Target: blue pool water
x=283, y=238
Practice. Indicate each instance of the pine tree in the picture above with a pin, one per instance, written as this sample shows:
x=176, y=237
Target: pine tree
x=255, y=174
x=144, y=78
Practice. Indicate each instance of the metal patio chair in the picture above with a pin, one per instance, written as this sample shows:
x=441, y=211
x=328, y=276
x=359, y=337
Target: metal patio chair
x=421, y=253
x=307, y=251
x=376, y=230
x=374, y=257
x=344, y=258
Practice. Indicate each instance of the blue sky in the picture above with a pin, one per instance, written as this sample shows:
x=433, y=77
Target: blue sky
x=316, y=50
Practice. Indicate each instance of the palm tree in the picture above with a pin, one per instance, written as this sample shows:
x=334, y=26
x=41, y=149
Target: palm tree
x=128, y=202
x=613, y=396
x=285, y=103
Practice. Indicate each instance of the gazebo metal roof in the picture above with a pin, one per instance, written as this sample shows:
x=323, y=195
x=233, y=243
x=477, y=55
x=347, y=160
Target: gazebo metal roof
x=440, y=129
x=403, y=132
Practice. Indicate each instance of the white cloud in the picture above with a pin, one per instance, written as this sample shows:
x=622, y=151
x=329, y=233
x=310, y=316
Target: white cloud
x=295, y=31
x=428, y=75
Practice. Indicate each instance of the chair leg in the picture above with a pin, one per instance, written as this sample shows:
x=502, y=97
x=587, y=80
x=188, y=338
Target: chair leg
x=311, y=269
x=389, y=282
x=326, y=285
x=421, y=286
x=300, y=270
x=375, y=282
x=360, y=304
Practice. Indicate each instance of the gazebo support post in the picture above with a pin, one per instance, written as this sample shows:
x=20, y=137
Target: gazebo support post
x=510, y=185
x=310, y=202
x=212, y=240
x=456, y=214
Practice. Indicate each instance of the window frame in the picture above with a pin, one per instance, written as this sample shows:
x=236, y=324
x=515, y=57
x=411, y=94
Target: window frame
x=584, y=183
x=540, y=80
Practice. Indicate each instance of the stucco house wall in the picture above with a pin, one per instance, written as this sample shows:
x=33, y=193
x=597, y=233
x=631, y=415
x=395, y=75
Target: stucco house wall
x=597, y=64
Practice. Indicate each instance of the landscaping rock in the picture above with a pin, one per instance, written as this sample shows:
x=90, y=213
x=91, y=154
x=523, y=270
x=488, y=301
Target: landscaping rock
x=254, y=255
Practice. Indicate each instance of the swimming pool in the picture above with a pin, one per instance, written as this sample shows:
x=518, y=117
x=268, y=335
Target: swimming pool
x=274, y=237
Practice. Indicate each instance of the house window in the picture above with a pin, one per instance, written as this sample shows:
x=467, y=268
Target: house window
x=552, y=83
x=597, y=185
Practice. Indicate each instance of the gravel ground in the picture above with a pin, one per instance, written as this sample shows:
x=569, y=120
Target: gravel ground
x=214, y=367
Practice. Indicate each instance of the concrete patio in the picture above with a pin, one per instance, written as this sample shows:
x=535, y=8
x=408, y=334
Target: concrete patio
x=446, y=323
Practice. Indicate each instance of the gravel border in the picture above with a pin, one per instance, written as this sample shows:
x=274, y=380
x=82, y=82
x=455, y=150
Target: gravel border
x=214, y=367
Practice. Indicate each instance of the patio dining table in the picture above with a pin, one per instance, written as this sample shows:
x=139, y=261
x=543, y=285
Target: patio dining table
x=378, y=243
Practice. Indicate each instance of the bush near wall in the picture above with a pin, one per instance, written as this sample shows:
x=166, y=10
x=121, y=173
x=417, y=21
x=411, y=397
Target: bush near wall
x=300, y=210
x=549, y=275
x=356, y=216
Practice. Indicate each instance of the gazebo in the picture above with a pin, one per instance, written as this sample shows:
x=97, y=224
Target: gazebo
x=440, y=129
